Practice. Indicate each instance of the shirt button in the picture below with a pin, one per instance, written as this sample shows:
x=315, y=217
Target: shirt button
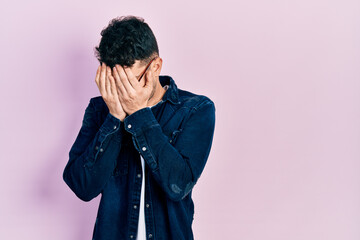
x=135, y=206
x=97, y=147
x=147, y=205
x=129, y=126
x=144, y=148
x=131, y=236
x=150, y=235
x=101, y=149
x=139, y=175
x=170, y=140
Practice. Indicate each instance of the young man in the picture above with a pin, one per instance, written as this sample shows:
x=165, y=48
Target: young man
x=143, y=143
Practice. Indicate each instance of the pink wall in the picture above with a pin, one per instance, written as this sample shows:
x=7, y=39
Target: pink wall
x=285, y=79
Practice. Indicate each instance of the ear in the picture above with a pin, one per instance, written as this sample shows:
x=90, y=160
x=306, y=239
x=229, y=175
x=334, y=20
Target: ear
x=156, y=66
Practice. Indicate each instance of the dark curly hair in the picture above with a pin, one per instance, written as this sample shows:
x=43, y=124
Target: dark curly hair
x=124, y=40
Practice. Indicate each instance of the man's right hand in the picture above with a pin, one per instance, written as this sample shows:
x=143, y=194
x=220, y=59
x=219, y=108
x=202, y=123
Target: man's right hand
x=107, y=87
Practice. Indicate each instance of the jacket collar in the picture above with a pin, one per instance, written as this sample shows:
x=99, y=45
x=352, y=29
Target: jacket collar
x=172, y=93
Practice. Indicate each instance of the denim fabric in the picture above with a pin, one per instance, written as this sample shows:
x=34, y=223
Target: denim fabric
x=174, y=137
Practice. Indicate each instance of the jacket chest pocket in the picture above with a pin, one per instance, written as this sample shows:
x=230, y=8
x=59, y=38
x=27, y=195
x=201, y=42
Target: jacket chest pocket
x=122, y=162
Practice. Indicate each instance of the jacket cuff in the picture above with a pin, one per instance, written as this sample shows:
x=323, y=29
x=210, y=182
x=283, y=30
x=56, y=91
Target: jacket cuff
x=111, y=125
x=139, y=120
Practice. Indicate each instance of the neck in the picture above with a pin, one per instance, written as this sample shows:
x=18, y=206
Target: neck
x=158, y=95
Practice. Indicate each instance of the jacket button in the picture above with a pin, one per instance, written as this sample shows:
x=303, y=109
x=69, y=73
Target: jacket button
x=131, y=236
x=129, y=126
x=101, y=149
x=97, y=147
x=150, y=235
x=144, y=148
x=135, y=206
x=114, y=127
x=139, y=175
x=147, y=205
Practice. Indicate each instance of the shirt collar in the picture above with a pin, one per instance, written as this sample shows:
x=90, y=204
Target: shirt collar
x=172, y=93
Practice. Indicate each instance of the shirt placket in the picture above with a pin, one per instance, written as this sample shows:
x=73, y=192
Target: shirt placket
x=135, y=203
x=149, y=216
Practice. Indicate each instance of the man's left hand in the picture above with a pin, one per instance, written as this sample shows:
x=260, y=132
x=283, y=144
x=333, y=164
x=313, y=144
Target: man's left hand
x=133, y=94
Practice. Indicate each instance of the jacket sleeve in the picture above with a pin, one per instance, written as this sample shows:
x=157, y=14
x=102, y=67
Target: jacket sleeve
x=92, y=157
x=177, y=166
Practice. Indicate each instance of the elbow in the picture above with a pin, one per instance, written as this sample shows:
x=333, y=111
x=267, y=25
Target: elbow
x=81, y=192
x=175, y=197
x=177, y=194
x=84, y=197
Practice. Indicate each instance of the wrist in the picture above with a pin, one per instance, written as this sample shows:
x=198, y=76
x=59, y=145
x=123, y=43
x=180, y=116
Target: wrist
x=138, y=109
x=121, y=117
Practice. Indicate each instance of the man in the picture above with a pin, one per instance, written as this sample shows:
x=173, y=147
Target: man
x=143, y=143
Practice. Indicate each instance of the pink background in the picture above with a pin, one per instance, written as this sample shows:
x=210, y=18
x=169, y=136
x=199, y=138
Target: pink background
x=285, y=79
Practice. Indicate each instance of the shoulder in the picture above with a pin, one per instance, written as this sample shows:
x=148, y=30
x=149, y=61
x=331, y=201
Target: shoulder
x=193, y=100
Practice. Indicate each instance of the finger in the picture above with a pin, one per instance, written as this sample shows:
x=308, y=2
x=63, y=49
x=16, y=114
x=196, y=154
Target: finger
x=123, y=77
x=102, y=78
x=119, y=83
x=112, y=86
x=107, y=85
x=117, y=88
x=97, y=77
x=118, y=91
x=108, y=81
x=131, y=78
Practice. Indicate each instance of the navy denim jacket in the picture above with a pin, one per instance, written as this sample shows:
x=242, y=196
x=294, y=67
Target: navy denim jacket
x=174, y=137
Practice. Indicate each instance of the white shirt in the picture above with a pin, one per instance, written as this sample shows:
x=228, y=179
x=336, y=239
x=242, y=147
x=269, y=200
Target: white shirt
x=141, y=234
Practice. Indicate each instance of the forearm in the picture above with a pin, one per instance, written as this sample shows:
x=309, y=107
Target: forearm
x=176, y=166
x=92, y=157
x=168, y=166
